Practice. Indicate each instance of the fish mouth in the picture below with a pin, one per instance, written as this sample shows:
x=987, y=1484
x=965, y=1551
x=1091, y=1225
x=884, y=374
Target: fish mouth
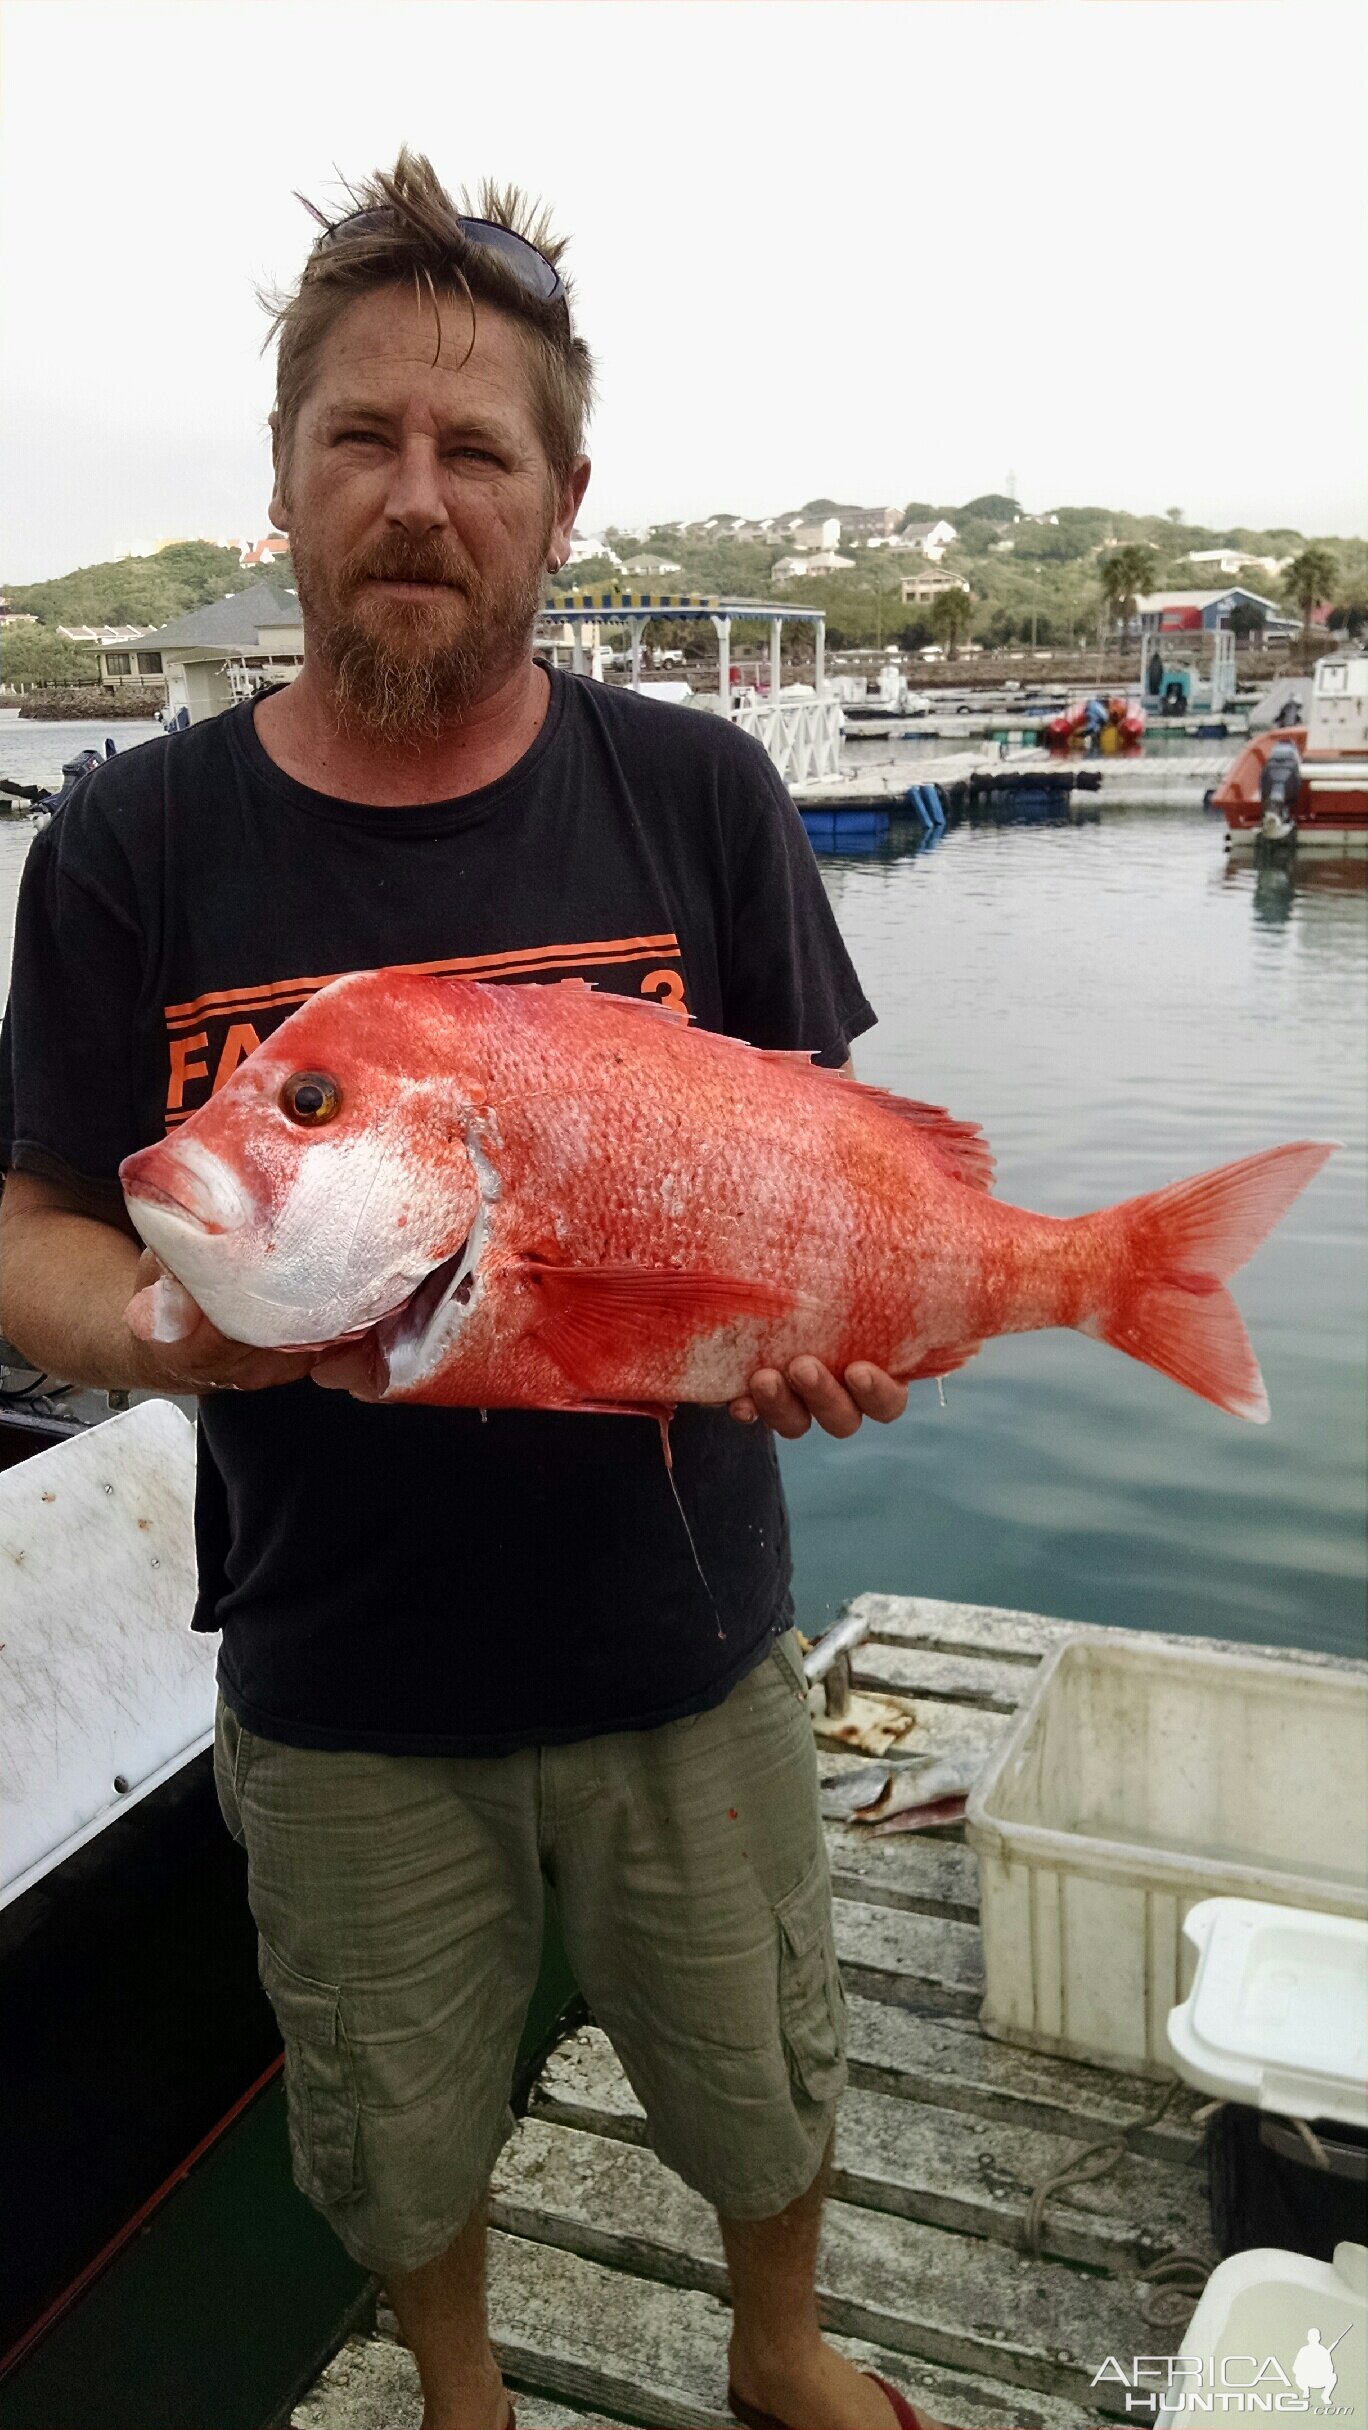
x=195, y=1187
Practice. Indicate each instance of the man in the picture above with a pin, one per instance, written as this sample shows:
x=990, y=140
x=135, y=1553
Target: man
x=459, y=1659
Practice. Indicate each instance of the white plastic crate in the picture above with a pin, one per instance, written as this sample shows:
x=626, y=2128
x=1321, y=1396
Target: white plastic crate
x=1137, y=1779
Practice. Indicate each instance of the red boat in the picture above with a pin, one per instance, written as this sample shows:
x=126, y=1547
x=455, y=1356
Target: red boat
x=1307, y=785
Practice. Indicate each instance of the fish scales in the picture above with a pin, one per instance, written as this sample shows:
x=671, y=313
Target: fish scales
x=542, y=1196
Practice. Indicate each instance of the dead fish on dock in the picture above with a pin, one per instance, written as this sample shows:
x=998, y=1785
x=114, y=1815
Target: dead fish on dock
x=910, y=1796
x=541, y=1197
x=843, y=1793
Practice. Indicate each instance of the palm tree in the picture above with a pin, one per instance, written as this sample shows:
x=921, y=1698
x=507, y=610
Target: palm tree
x=1123, y=573
x=1310, y=578
x=951, y=615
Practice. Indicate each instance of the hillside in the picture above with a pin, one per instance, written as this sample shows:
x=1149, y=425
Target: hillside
x=1025, y=573
x=146, y=591
x=1028, y=575
x=133, y=590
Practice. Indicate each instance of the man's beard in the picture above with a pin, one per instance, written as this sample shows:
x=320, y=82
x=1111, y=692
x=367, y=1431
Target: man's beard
x=402, y=670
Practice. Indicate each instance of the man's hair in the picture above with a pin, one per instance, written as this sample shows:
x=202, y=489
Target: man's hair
x=423, y=241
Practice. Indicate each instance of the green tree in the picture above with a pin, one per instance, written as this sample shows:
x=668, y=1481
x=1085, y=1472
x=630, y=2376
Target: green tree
x=1122, y=573
x=1245, y=619
x=952, y=615
x=1311, y=577
x=29, y=656
x=1350, y=615
x=1174, y=513
x=993, y=507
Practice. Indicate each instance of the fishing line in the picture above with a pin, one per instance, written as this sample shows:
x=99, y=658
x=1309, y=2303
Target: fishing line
x=664, y=1424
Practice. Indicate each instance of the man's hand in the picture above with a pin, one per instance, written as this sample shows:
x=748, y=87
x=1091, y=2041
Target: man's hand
x=789, y=1403
x=199, y=1358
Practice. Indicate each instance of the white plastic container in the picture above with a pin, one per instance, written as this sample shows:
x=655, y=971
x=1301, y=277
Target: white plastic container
x=1136, y=1780
x=106, y=1692
x=1273, y=2332
x=1277, y=2016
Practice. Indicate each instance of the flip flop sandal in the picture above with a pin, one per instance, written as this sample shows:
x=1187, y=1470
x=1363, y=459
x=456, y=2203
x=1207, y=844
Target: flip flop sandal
x=905, y=2415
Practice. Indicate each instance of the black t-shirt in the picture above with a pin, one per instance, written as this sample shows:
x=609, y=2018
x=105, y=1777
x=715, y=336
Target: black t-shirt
x=425, y=1580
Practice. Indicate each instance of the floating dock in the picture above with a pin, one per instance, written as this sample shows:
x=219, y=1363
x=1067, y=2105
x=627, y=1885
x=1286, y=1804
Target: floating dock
x=607, y=2286
x=1018, y=725
x=1178, y=780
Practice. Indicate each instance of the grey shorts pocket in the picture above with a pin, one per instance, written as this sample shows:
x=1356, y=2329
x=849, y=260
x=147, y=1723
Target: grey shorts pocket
x=228, y=1754
x=787, y=1656
x=811, y=1998
x=320, y=2091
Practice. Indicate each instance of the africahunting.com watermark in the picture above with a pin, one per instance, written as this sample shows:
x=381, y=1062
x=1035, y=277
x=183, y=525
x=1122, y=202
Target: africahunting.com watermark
x=1165, y=2384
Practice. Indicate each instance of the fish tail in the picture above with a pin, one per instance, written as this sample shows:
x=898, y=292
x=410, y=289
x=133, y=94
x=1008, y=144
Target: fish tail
x=1166, y=1302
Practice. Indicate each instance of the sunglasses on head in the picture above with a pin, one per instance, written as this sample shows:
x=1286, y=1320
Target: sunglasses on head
x=531, y=268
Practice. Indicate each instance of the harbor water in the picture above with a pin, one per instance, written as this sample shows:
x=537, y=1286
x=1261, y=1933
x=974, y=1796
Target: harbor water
x=1116, y=1006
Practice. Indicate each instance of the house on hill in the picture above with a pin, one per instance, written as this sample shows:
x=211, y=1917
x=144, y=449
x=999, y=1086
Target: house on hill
x=929, y=539
x=917, y=588
x=1233, y=561
x=219, y=654
x=818, y=561
x=651, y=565
x=263, y=552
x=103, y=636
x=1208, y=612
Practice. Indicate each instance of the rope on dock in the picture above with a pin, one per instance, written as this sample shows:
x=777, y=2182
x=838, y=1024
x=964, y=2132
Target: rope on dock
x=1177, y=2277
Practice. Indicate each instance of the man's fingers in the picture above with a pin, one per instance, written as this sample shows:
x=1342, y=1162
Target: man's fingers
x=876, y=1393
x=777, y=1404
x=162, y=1311
x=830, y=1403
x=810, y=1390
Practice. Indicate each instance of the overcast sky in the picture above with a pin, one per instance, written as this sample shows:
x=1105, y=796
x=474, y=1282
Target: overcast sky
x=878, y=249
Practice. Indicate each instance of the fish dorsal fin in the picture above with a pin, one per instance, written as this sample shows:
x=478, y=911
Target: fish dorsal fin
x=959, y=1147
x=591, y=1311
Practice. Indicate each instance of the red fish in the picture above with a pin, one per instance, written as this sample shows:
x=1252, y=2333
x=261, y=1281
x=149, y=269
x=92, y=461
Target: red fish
x=543, y=1197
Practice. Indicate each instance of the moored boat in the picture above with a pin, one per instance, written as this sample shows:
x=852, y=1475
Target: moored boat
x=1307, y=786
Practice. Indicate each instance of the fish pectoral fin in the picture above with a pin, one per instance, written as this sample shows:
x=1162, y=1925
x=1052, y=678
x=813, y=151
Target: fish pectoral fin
x=593, y=1310
x=942, y=1361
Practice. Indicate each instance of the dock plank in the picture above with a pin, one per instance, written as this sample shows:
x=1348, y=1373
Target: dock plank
x=970, y=1678
x=919, y=1870
x=916, y=1961
x=372, y=2384
x=653, y=2355
x=949, y=2168
x=561, y=2321
x=961, y=2300
x=948, y=2061
x=941, y=1725
x=924, y=1622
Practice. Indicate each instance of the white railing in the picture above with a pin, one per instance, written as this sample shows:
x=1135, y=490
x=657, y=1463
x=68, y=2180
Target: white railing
x=802, y=737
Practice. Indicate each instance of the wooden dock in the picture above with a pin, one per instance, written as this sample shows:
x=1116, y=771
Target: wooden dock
x=607, y=2287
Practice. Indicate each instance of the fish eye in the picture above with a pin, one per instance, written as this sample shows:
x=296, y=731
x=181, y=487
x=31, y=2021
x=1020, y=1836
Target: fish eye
x=311, y=1098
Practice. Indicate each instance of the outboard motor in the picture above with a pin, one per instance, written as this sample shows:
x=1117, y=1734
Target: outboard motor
x=1279, y=786
x=72, y=772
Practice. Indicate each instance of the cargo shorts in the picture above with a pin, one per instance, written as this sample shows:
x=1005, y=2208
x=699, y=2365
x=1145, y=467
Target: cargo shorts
x=399, y=1906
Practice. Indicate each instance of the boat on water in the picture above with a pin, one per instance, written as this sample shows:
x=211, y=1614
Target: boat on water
x=1113, y=723
x=1306, y=787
